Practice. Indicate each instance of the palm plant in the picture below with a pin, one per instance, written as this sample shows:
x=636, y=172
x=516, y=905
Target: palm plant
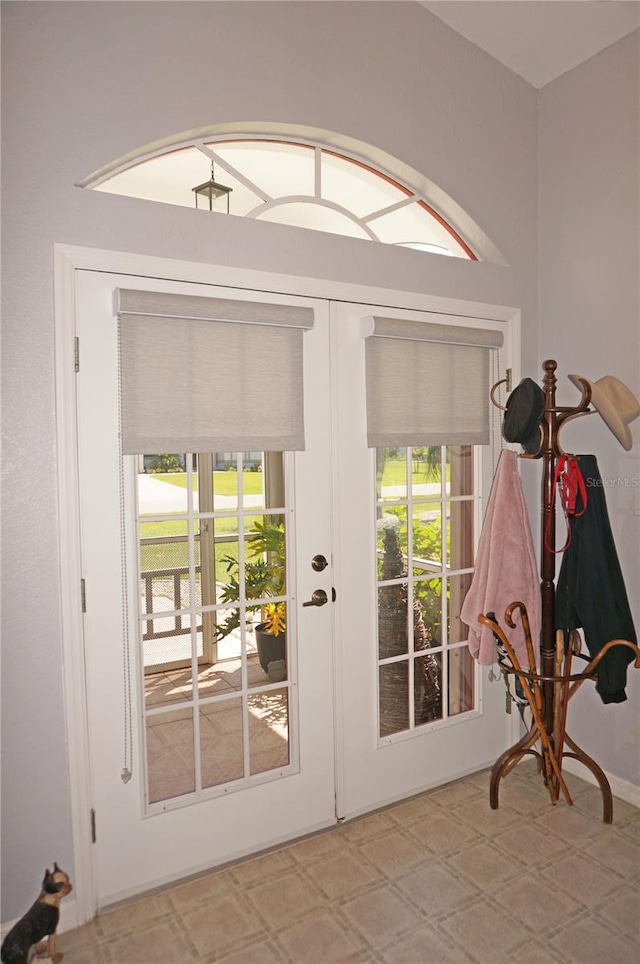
x=263, y=575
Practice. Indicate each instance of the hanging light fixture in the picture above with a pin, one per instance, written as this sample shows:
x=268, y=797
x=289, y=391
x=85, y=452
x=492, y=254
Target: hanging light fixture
x=210, y=191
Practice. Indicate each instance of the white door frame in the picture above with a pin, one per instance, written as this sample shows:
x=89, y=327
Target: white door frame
x=67, y=260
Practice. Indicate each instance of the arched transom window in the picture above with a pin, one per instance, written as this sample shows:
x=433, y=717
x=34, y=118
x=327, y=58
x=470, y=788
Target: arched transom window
x=291, y=182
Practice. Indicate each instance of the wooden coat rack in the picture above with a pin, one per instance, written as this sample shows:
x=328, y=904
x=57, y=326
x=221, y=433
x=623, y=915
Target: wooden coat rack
x=548, y=691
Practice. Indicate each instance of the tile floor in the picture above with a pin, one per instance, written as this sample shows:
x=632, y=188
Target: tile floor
x=170, y=734
x=438, y=879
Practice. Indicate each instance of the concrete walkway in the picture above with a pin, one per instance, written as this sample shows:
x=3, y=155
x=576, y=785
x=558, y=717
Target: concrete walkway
x=157, y=497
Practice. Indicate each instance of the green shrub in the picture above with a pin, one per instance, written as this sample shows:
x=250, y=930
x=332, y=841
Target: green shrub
x=166, y=463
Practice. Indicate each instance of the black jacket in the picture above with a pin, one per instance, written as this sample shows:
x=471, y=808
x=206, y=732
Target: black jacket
x=590, y=593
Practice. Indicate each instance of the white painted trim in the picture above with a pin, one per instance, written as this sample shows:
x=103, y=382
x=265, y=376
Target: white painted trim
x=338, y=676
x=620, y=788
x=278, y=202
x=70, y=571
x=67, y=260
x=98, y=259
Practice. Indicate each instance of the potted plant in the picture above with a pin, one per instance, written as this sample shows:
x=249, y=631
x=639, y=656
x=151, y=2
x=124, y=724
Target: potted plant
x=264, y=577
x=271, y=640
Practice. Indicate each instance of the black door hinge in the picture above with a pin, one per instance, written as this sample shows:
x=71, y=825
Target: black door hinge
x=93, y=826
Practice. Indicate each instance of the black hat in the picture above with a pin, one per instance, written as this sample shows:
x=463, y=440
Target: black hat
x=523, y=416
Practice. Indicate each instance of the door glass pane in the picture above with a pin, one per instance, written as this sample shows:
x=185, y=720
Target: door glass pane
x=268, y=730
x=426, y=471
x=237, y=478
x=170, y=754
x=392, y=541
x=459, y=462
x=393, y=639
x=214, y=641
x=165, y=688
x=461, y=680
x=271, y=644
x=221, y=743
x=458, y=587
x=391, y=473
x=394, y=697
x=428, y=606
x=427, y=537
x=459, y=534
x=426, y=504
x=428, y=688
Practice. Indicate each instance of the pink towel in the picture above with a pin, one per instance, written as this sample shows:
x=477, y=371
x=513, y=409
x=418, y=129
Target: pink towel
x=505, y=569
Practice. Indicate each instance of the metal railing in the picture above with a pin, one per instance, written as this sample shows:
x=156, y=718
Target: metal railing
x=149, y=581
x=169, y=582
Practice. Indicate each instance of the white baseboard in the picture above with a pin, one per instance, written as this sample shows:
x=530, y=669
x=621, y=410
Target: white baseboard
x=68, y=919
x=620, y=788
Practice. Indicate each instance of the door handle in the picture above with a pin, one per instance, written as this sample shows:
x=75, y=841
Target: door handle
x=318, y=598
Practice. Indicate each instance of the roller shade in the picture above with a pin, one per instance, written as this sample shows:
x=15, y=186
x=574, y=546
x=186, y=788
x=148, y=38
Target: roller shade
x=208, y=374
x=427, y=384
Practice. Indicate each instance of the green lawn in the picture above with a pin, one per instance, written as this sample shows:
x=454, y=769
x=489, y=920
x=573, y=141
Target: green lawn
x=175, y=555
x=224, y=483
x=395, y=473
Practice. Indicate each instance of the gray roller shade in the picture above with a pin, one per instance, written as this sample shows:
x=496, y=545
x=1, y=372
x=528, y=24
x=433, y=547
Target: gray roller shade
x=208, y=375
x=427, y=384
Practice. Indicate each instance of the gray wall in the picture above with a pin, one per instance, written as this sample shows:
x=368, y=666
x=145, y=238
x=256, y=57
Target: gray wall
x=590, y=317
x=85, y=83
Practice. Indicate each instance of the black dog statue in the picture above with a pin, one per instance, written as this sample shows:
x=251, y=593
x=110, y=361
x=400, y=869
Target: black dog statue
x=40, y=921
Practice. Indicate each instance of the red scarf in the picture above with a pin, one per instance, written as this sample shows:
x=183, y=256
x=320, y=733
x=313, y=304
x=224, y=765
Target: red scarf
x=568, y=478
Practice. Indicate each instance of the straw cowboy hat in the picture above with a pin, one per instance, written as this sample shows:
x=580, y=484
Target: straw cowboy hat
x=616, y=403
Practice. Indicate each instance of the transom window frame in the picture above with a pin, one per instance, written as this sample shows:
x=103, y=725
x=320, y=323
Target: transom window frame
x=440, y=235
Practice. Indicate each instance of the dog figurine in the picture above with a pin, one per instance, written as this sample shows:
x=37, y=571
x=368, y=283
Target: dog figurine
x=40, y=921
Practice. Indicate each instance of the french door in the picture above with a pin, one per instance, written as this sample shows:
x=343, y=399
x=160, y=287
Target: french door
x=198, y=755
x=416, y=709
x=201, y=749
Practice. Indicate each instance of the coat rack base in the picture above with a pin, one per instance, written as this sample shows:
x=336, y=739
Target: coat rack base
x=548, y=697
x=526, y=747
